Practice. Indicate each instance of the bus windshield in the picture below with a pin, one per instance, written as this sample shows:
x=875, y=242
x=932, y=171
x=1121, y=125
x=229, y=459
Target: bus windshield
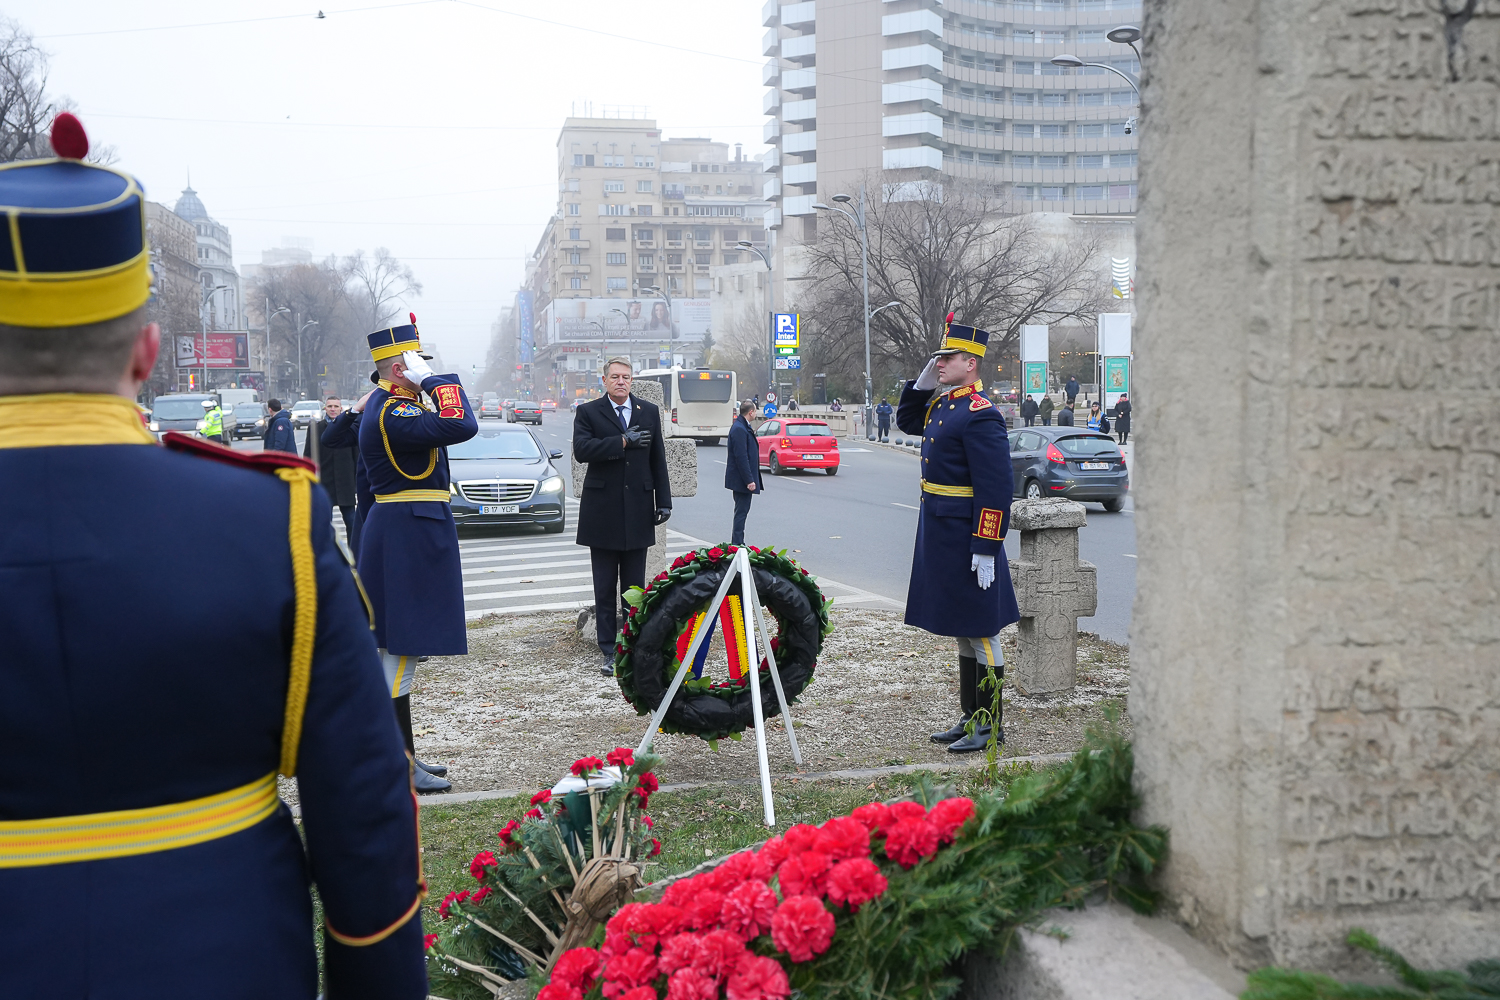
x=705, y=386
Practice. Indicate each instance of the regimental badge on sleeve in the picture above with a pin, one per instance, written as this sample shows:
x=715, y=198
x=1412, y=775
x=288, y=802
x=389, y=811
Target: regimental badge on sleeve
x=405, y=410
x=991, y=524
x=449, y=401
x=979, y=403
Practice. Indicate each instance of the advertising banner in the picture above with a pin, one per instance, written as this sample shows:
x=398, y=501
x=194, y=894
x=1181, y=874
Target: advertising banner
x=525, y=324
x=788, y=330
x=621, y=321
x=225, y=350
x=1034, y=381
x=1116, y=380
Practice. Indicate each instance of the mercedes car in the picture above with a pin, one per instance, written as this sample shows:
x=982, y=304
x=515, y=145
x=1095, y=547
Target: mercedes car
x=503, y=476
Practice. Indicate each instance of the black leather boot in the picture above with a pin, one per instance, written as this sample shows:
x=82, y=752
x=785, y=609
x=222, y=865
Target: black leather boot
x=968, y=699
x=441, y=770
x=424, y=781
x=981, y=737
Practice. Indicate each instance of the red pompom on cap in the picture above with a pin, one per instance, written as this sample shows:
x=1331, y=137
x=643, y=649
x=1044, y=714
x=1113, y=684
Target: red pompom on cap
x=949, y=319
x=413, y=318
x=69, y=140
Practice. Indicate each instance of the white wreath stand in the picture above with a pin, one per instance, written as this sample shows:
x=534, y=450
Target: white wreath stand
x=739, y=566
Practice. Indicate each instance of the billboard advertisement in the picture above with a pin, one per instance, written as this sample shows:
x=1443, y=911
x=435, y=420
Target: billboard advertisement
x=788, y=330
x=1116, y=380
x=225, y=350
x=643, y=321
x=1034, y=379
x=525, y=324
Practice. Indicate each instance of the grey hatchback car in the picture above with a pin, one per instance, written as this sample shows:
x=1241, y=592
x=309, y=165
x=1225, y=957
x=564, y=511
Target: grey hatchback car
x=1071, y=462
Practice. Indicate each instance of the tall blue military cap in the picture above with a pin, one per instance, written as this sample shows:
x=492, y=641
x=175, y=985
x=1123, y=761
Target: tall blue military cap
x=77, y=250
x=962, y=338
x=393, y=341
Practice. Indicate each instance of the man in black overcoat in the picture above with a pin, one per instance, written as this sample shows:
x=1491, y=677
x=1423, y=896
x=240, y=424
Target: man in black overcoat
x=625, y=493
x=338, y=463
x=742, y=469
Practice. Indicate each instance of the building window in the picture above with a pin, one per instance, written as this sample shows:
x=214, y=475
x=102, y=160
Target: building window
x=1125, y=97
x=643, y=210
x=1090, y=100
x=1120, y=192
x=674, y=259
x=1022, y=97
x=1022, y=131
x=574, y=209
x=989, y=157
x=1117, y=129
x=1054, y=131
x=703, y=235
x=1122, y=159
x=614, y=187
x=1052, y=162
x=703, y=285
x=572, y=184
x=1090, y=193
x=577, y=159
x=643, y=187
x=1090, y=131
x=575, y=282
x=1024, y=35
x=615, y=258
x=701, y=259
x=614, y=161
x=1053, y=193
x=647, y=260
x=613, y=209
x=575, y=234
x=575, y=257
x=1054, y=100
x=1054, y=37
x=614, y=234
x=1091, y=163
x=1019, y=68
x=1091, y=35
x=731, y=258
x=1024, y=192
x=617, y=284
x=730, y=235
x=645, y=161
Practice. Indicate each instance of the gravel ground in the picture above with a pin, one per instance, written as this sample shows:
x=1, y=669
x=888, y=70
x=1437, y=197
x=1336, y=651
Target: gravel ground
x=528, y=700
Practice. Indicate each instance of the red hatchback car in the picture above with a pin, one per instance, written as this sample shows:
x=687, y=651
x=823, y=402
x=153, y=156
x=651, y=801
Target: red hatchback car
x=797, y=443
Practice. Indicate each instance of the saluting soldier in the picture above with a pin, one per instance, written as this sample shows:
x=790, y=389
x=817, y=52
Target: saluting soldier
x=408, y=550
x=960, y=580
x=144, y=851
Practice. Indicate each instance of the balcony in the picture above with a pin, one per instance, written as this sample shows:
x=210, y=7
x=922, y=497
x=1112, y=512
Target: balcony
x=802, y=204
x=924, y=56
x=799, y=112
x=800, y=173
x=772, y=130
x=645, y=244
x=801, y=48
x=798, y=15
x=912, y=90
x=582, y=245
x=575, y=269
x=912, y=157
x=770, y=72
x=770, y=43
x=771, y=189
x=770, y=14
x=921, y=123
x=646, y=268
x=707, y=244
x=799, y=80
x=675, y=245
x=770, y=102
x=771, y=158
x=675, y=268
x=915, y=22
x=773, y=218
x=700, y=268
x=800, y=142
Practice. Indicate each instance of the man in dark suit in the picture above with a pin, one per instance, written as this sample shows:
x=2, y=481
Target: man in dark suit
x=742, y=469
x=336, y=466
x=625, y=494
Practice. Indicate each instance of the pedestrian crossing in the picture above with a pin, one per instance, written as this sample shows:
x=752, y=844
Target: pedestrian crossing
x=530, y=571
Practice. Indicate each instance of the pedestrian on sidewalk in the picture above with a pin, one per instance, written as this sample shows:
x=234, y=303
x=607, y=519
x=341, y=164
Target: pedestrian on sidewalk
x=408, y=550
x=1044, y=410
x=337, y=466
x=883, y=418
x=124, y=825
x=1122, y=418
x=960, y=580
x=742, y=469
x=625, y=495
x=1094, y=415
x=1065, y=415
x=1029, y=411
x=279, y=435
x=1071, y=390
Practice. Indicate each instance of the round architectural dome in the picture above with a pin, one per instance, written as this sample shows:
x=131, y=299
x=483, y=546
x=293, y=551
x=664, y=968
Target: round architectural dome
x=189, y=206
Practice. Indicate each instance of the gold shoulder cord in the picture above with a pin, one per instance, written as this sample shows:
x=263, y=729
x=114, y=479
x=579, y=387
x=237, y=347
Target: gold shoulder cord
x=305, y=616
x=384, y=437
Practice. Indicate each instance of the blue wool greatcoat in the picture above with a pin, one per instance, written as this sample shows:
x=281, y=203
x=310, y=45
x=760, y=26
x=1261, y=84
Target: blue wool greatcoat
x=146, y=661
x=964, y=449
x=408, y=551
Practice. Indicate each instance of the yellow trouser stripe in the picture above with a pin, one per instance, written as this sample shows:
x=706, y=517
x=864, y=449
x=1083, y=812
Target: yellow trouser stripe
x=29, y=843
x=400, y=669
x=947, y=491
x=412, y=496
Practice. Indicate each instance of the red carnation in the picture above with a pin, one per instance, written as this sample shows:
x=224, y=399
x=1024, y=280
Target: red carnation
x=476, y=867
x=910, y=840
x=479, y=895
x=428, y=940
x=650, y=823
x=744, y=866
x=533, y=814
x=908, y=810
x=577, y=967
x=774, y=851
x=804, y=874
x=715, y=553
x=801, y=838
x=679, y=562
x=585, y=766
x=655, y=848
x=506, y=834
x=640, y=993
x=844, y=837
x=678, y=952
x=690, y=984
x=948, y=816
x=684, y=889
x=636, y=967
x=718, y=953
x=802, y=927
x=702, y=911
x=641, y=794
x=556, y=991
x=542, y=798
x=659, y=577
x=758, y=978
x=748, y=909
x=621, y=757
x=648, y=782
x=855, y=882
x=449, y=900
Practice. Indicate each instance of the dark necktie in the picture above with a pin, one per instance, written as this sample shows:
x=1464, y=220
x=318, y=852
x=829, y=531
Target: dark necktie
x=621, y=411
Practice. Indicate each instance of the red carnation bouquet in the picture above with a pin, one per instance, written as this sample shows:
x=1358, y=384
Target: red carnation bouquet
x=742, y=930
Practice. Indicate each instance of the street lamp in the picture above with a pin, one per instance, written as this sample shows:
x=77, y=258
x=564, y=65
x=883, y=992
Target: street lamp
x=283, y=310
x=301, y=374
x=770, y=311
x=208, y=293
x=629, y=336
x=603, y=346
x=1125, y=34
x=858, y=218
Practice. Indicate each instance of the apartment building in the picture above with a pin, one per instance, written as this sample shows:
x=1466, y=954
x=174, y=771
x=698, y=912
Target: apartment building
x=916, y=92
x=635, y=212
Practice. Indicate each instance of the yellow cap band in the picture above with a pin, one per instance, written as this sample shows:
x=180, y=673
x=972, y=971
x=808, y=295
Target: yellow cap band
x=392, y=350
x=955, y=344
x=75, y=299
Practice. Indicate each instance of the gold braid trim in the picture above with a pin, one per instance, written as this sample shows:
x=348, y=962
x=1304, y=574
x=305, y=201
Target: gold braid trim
x=385, y=438
x=305, y=617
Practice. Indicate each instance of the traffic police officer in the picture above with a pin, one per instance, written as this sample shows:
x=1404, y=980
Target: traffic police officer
x=144, y=727
x=408, y=549
x=960, y=580
x=212, y=424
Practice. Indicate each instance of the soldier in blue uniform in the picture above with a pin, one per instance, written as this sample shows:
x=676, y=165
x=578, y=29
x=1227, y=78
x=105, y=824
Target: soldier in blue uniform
x=144, y=851
x=960, y=580
x=408, y=551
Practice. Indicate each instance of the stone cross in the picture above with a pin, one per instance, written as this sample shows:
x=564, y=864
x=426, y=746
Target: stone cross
x=682, y=474
x=1054, y=588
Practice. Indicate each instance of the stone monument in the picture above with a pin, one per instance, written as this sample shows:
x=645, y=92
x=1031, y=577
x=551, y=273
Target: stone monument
x=1054, y=588
x=1316, y=637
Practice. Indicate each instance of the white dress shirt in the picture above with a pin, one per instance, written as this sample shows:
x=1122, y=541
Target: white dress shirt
x=627, y=406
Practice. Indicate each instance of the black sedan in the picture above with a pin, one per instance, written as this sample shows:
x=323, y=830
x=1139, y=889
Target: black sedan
x=523, y=409
x=503, y=476
x=1071, y=462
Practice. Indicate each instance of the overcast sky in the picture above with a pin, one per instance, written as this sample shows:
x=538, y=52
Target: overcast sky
x=426, y=126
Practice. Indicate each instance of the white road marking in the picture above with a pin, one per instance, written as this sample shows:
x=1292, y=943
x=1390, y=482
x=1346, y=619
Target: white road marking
x=906, y=505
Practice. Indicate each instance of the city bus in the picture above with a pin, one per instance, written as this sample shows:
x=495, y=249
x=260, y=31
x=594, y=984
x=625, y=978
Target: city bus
x=699, y=402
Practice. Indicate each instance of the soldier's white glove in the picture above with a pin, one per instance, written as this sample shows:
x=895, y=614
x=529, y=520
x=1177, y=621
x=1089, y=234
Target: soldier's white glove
x=984, y=566
x=929, y=378
x=416, y=368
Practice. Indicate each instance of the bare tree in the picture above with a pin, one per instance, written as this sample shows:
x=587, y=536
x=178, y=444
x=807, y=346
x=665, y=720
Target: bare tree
x=381, y=282
x=317, y=293
x=960, y=252
x=26, y=112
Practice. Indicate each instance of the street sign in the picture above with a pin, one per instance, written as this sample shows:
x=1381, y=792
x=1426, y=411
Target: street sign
x=770, y=397
x=794, y=363
x=787, y=330
x=782, y=364
x=786, y=351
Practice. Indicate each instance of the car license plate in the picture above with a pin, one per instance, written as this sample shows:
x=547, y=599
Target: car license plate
x=500, y=508
x=708, y=428
x=811, y=457
x=1095, y=466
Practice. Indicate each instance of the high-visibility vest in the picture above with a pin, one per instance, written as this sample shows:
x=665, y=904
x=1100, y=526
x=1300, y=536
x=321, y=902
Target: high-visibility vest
x=212, y=424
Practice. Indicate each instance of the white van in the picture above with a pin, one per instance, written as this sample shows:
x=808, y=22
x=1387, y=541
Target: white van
x=699, y=402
